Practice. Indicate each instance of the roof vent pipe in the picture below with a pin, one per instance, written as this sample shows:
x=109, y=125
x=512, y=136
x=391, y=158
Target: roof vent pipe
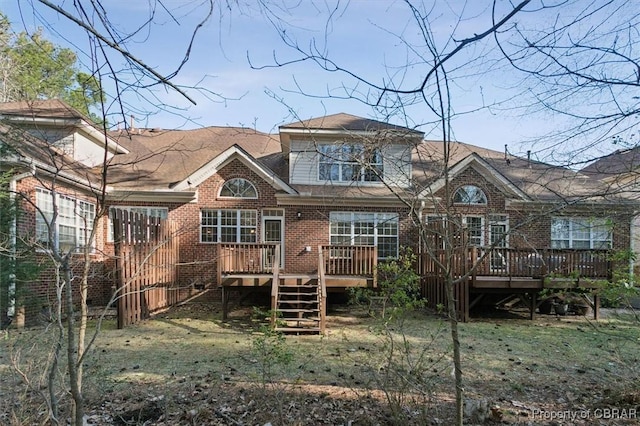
x=505, y=151
x=132, y=121
x=529, y=158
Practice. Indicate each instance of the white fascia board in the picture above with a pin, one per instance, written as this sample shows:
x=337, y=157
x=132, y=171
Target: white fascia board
x=491, y=174
x=153, y=196
x=327, y=201
x=112, y=145
x=212, y=167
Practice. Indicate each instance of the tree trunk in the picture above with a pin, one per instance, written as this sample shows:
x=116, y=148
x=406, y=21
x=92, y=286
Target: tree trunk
x=457, y=364
x=72, y=358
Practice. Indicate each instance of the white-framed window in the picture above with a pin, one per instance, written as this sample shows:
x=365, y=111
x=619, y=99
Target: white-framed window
x=228, y=226
x=73, y=224
x=349, y=163
x=469, y=194
x=474, y=226
x=580, y=233
x=375, y=229
x=159, y=212
x=238, y=188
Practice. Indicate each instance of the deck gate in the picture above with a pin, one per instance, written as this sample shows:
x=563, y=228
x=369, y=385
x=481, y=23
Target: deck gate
x=146, y=251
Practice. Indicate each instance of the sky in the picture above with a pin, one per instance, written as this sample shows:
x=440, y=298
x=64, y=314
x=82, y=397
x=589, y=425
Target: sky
x=232, y=75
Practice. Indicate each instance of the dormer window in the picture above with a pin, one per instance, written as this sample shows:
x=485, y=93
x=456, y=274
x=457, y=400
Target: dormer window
x=470, y=194
x=349, y=163
x=238, y=188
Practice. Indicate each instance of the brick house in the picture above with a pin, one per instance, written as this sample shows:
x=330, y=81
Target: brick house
x=348, y=190
x=620, y=172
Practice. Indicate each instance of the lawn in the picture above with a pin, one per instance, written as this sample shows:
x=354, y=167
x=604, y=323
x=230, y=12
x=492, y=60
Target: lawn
x=188, y=367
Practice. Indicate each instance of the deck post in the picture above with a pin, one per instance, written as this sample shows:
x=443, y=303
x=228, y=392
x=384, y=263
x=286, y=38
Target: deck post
x=596, y=306
x=225, y=303
x=532, y=304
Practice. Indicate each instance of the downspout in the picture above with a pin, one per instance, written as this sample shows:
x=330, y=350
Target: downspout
x=632, y=245
x=13, y=235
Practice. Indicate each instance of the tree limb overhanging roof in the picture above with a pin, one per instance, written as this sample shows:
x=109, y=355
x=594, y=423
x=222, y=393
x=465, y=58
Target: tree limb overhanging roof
x=161, y=161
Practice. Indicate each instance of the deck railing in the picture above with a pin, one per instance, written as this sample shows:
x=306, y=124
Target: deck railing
x=323, y=290
x=245, y=258
x=350, y=260
x=511, y=262
x=275, y=286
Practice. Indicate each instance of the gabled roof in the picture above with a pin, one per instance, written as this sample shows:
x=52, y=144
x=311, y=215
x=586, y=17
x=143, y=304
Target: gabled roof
x=54, y=112
x=28, y=152
x=163, y=159
x=483, y=167
x=539, y=181
x=224, y=158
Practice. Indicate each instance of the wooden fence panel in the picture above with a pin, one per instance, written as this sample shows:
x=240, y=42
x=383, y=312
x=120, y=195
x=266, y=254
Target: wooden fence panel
x=146, y=250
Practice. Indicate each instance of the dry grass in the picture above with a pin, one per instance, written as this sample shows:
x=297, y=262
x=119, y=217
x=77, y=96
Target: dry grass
x=188, y=367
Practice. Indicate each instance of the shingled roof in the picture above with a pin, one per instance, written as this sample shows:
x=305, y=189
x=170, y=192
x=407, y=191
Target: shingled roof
x=50, y=108
x=614, y=164
x=348, y=122
x=540, y=181
x=160, y=158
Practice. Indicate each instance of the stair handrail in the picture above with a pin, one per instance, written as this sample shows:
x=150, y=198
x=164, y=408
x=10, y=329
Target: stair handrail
x=275, y=284
x=323, y=290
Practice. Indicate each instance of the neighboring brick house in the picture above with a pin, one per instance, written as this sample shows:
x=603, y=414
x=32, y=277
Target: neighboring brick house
x=50, y=154
x=619, y=173
x=334, y=180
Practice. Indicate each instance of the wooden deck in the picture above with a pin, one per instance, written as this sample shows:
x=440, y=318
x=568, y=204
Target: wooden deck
x=478, y=272
x=247, y=267
x=523, y=272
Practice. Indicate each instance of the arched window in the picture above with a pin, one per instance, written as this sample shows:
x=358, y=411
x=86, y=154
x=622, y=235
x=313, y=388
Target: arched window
x=469, y=194
x=238, y=188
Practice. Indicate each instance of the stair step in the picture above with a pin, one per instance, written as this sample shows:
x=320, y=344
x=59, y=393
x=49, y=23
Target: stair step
x=287, y=321
x=294, y=293
x=309, y=288
x=281, y=285
x=298, y=310
x=298, y=329
x=297, y=302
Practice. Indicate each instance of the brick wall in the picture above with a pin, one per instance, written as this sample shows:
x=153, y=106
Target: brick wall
x=39, y=293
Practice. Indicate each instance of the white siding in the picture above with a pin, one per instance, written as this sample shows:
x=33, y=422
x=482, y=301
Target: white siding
x=75, y=144
x=397, y=165
x=303, y=163
x=88, y=152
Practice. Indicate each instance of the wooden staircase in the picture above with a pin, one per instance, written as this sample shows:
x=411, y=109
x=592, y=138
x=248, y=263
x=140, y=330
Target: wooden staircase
x=298, y=302
x=298, y=305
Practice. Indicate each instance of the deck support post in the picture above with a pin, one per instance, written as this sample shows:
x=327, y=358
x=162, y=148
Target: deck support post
x=225, y=303
x=532, y=304
x=596, y=306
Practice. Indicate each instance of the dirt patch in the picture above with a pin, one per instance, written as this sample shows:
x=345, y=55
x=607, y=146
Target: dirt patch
x=188, y=367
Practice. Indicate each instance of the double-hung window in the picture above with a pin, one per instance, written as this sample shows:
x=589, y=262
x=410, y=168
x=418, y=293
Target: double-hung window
x=472, y=225
x=349, y=163
x=374, y=229
x=228, y=226
x=72, y=225
x=580, y=233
